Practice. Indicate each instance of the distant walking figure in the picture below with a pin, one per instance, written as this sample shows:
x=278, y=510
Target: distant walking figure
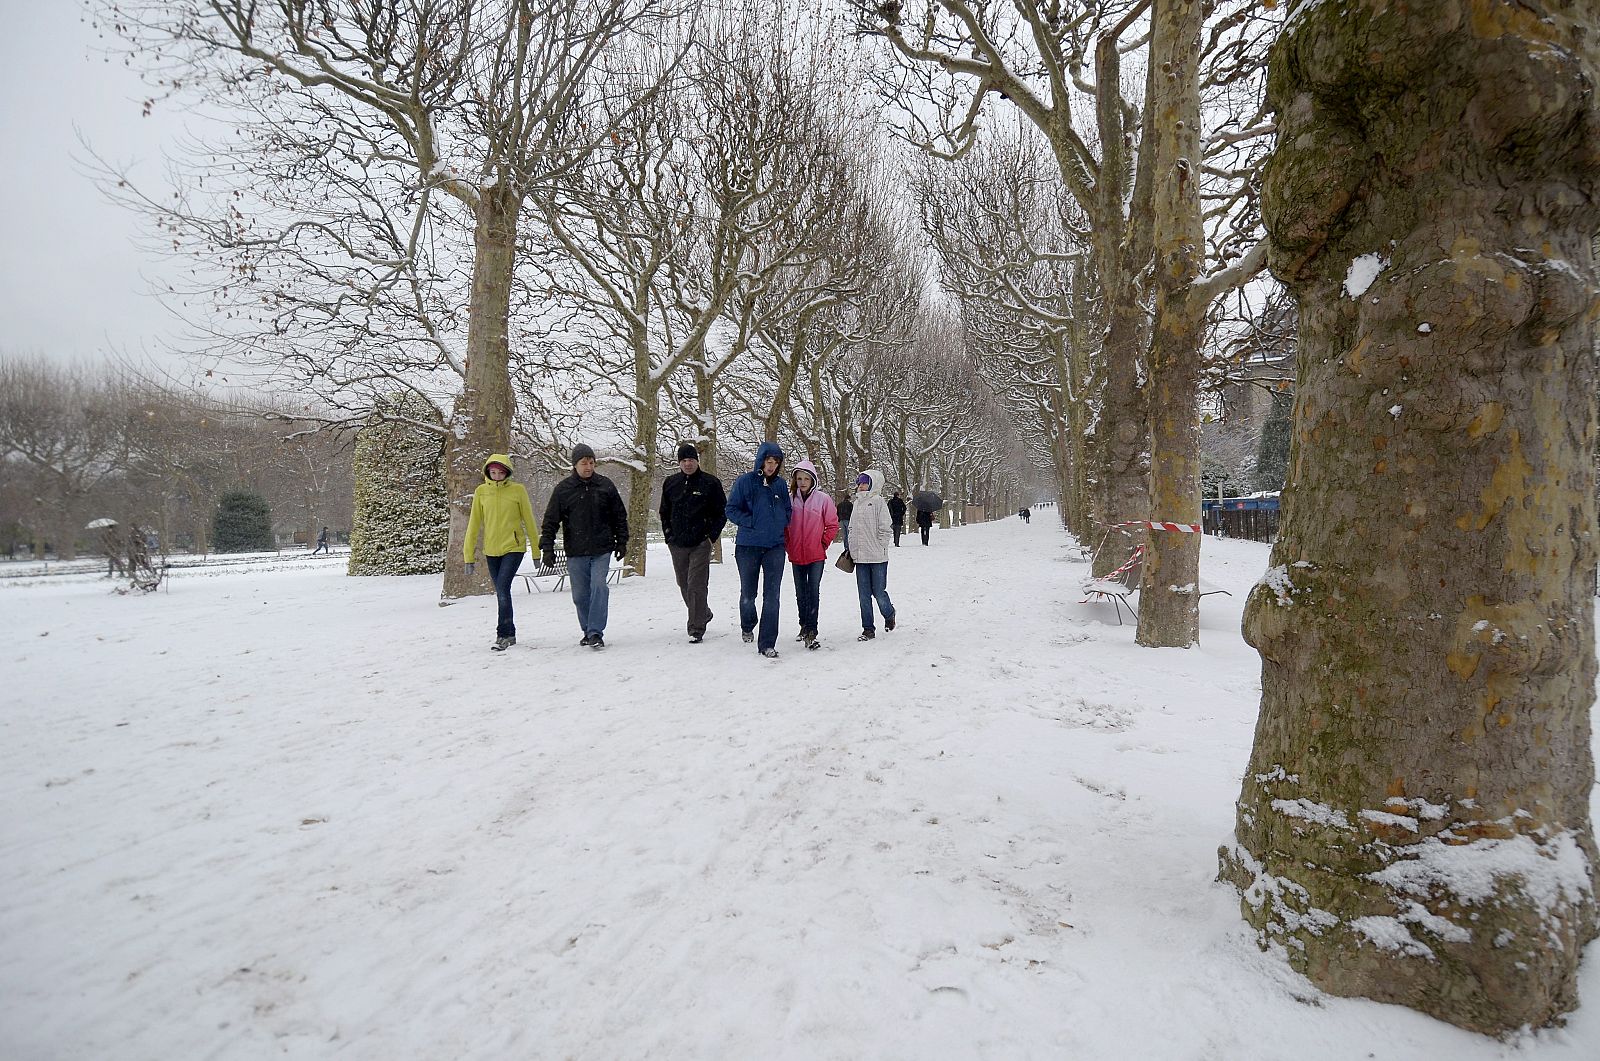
x=500, y=508
x=924, y=523
x=845, y=507
x=1025, y=514
x=897, y=516
x=322, y=543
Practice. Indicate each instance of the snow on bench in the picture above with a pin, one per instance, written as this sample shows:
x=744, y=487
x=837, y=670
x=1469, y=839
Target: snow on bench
x=1120, y=586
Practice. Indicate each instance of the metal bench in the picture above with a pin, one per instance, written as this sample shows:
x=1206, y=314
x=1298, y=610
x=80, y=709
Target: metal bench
x=560, y=573
x=1120, y=585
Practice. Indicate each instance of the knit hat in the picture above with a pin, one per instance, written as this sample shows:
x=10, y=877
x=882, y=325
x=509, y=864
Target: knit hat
x=687, y=452
x=580, y=451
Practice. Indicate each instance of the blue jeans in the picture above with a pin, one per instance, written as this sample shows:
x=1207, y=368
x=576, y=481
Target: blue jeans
x=766, y=564
x=502, y=569
x=872, y=583
x=590, y=593
x=808, y=592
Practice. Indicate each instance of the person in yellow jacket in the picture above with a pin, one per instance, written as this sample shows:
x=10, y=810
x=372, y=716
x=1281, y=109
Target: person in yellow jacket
x=500, y=508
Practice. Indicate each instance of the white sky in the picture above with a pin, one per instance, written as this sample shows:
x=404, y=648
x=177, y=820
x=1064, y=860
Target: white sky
x=73, y=286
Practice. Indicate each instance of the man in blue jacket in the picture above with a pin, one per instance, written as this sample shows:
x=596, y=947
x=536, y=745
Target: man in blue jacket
x=759, y=507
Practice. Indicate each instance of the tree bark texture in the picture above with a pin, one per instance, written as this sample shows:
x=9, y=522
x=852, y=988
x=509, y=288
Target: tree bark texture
x=481, y=418
x=1414, y=823
x=646, y=436
x=1169, y=613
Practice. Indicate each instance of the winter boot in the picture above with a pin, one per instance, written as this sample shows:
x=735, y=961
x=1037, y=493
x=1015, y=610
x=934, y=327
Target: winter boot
x=770, y=653
x=811, y=638
x=597, y=641
x=588, y=639
x=502, y=643
x=888, y=624
x=749, y=636
x=866, y=635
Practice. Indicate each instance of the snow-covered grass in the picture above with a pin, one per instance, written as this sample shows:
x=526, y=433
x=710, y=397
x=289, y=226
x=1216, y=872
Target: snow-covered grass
x=282, y=812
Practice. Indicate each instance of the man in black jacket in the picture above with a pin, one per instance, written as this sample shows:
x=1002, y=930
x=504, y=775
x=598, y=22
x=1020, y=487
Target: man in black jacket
x=588, y=506
x=692, y=517
x=897, y=516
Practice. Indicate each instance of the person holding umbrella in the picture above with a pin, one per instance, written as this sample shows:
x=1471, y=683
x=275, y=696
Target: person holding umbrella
x=927, y=503
x=870, y=534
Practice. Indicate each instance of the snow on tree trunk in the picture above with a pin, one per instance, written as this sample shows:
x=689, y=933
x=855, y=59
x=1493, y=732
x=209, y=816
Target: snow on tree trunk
x=1414, y=826
x=1169, y=616
x=481, y=420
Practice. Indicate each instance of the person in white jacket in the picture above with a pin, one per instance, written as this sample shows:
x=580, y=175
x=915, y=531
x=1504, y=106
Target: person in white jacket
x=871, y=536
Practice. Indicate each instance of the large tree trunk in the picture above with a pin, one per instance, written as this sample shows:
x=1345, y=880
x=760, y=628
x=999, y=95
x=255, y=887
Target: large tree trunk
x=1169, y=613
x=646, y=436
x=1414, y=822
x=481, y=419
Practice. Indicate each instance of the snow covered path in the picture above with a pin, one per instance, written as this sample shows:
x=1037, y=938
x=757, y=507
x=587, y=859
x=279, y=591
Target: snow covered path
x=288, y=813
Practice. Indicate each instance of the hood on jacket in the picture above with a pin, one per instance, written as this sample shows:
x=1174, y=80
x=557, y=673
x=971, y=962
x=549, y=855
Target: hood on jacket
x=816, y=480
x=769, y=449
x=498, y=458
x=875, y=490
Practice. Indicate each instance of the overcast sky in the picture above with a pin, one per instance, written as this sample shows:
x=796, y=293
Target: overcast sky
x=72, y=284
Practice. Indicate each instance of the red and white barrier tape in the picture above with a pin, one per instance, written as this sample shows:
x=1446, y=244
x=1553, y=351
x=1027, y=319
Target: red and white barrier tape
x=1185, y=528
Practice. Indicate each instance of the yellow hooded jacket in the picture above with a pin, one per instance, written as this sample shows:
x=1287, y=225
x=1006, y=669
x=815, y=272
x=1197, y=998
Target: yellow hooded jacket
x=503, y=511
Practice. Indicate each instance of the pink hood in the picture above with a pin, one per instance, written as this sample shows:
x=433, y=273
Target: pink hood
x=813, y=522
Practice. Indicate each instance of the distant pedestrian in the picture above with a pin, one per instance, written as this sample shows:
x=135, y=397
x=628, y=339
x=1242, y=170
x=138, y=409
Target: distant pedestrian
x=693, y=513
x=587, y=509
x=897, y=516
x=845, y=507
x=1025, y=514
x=322, y=543
x=501, y=510
x=924, y=523
x=813, y=525
x=870, y=535
x=759, y=507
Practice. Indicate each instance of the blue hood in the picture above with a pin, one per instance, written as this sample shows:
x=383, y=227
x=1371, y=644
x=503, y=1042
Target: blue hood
x=769, y=449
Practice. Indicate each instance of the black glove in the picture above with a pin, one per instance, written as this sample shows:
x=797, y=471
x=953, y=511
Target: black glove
x=548, y=558
x=620, y=553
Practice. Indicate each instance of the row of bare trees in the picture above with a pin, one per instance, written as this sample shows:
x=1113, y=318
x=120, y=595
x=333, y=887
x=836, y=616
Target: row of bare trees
x=644, y=220
x=78, y=444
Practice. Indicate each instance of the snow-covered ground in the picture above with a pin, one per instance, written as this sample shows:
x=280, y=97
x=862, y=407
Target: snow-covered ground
x=274, y=811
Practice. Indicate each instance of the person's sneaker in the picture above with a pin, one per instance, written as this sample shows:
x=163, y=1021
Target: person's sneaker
x=502, y=643
x=588, y=639
x=749, y=636
x=888, y=624
x=866, y=635
x=597, y=642
x=801, y=636
x=810, y=637
x=813, y=644
x=695, y=639
x=770, y=653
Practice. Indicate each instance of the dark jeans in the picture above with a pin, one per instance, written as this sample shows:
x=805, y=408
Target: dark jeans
x=808, y=591
x=502, y=569
x=590, y=594
x=692, y=565
x=765, y=564
x=925, y=531
x=872, y=583
x=899, y=529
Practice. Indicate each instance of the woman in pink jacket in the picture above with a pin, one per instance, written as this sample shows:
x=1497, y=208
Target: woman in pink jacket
x=813, y=525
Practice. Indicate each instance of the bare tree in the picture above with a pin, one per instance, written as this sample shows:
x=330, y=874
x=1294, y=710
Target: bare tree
x=391, y=126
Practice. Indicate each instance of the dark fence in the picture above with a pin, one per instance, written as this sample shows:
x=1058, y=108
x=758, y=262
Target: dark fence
x=1252, y=518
